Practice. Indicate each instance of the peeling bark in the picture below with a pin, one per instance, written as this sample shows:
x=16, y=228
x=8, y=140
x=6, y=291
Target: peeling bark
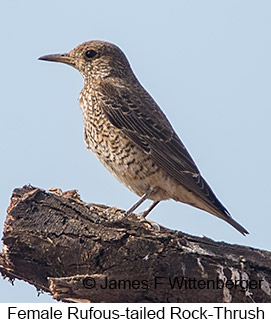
x=76, y=252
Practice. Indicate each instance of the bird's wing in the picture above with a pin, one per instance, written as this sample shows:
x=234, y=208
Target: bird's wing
x=133, y=111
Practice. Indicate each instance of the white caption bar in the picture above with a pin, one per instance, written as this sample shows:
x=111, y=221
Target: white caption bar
x=15, y=312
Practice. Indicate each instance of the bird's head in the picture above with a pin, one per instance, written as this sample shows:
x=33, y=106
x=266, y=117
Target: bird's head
x=94, y=59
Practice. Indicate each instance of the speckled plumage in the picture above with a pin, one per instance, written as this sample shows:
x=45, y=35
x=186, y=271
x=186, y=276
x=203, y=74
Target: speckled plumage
x=130, y=134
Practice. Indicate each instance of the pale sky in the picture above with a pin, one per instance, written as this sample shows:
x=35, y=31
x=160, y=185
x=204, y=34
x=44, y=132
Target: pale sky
x=206, y=63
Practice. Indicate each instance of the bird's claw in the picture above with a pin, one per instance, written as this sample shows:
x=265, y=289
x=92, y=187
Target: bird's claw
x=153, y=225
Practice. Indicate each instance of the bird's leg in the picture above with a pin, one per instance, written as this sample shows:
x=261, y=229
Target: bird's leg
x=136, y=205
x=142, y=216
x=140, y=201
x=145, y=213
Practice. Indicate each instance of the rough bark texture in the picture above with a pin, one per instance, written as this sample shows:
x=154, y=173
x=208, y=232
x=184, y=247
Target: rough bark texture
x=66, y=247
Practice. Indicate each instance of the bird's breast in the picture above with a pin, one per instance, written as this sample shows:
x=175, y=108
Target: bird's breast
x=118, y=153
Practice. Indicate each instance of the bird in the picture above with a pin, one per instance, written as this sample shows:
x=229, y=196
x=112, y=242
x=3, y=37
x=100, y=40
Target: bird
x=131, y=135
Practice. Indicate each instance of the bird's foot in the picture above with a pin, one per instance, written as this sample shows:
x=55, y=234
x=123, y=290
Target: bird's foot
x=115, y=215
x=142, y=219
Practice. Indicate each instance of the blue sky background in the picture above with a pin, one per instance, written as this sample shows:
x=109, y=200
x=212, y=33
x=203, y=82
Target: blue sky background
x=206, y=63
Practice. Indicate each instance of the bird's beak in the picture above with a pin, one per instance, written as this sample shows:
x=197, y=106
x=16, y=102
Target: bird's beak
x=61, y=58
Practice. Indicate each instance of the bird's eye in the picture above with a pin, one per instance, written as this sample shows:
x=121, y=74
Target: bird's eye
x=90, y=54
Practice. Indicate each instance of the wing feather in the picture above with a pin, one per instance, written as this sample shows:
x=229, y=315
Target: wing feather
x=135, y=112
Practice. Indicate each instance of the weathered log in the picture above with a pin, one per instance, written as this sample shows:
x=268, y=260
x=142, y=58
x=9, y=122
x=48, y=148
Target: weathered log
x=79, y=253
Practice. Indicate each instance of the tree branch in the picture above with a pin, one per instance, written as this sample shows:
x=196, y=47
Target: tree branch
x=68, y=248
